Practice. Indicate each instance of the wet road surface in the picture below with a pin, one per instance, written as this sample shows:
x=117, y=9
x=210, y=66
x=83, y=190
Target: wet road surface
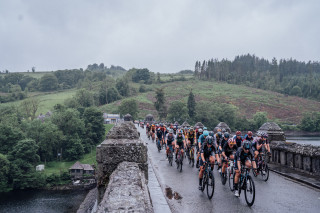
x=278, y=194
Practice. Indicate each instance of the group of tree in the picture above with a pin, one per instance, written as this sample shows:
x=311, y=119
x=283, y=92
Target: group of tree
x=15, y=86
x=286, y=76
x=26, y=141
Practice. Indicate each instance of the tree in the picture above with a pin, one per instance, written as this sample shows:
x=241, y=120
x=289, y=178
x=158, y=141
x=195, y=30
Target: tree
x=158, y=78
x=140, y=75
x=142, y=88
x=93, y=121
x=296, y=90
x=122, y=86
x=260, y=118
x=112, y=95
x=191, y=105
x=9, y=136
x=4, y=173
x=24, y=158
x=33, y=69
x=178, y=111
x=84, y=98
x=129, y=106
x=160, y=103
x=102, y=95
x=48, y=82
x=30, y=107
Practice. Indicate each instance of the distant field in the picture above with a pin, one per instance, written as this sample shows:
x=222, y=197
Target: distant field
x=48, y=100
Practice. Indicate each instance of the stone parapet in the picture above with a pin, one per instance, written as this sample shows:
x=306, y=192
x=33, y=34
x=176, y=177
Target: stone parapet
x=127, y=191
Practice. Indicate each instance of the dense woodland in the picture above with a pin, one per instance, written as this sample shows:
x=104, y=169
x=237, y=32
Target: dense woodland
x=286, y=76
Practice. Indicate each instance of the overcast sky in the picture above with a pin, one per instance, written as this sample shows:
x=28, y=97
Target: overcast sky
x=163, y=36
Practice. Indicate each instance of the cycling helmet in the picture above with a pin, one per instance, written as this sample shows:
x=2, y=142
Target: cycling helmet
x=209, y=140
x=226, y=135
x=170, y=131
x=246, y=145
x=179, y=131
x=205, y=133
x=218, y=130
x=264, y=134
x=191, y=129
x=211, y=133
x=231, y=141
x=223, y=130
x=219, y=134
x=205, y=128
x=250, y=133
x=238, y=133
x=200, y=130
x=259, y=134
x=158, y=129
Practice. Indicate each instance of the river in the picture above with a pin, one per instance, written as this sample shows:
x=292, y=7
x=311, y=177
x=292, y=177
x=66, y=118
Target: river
x=313, y=140
x=42, y=201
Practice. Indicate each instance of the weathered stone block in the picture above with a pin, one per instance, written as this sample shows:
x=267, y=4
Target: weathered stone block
x=127, y=191
x=306, y=163
x=315, y=166
x=283, y=158
x=290, y=161
x=298, y=161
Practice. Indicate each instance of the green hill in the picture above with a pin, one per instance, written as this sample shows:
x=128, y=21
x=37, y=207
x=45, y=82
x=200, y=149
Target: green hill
x=287, y=109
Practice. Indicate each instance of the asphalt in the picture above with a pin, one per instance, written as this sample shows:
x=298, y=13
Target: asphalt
x=278, y=194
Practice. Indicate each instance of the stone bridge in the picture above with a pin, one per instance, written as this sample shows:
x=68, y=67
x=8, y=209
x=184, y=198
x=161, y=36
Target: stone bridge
x=122, y=174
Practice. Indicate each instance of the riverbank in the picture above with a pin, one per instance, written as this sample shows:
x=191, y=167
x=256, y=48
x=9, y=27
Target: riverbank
x=301, y=133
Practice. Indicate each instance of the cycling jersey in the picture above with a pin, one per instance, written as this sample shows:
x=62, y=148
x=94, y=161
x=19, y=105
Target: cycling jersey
x=229, y=151
x=191, y=136
x=159, y=134
x=242, y=156
x=207, y=152
x=180, y=141
x=170, y=139
x=246, y=137
x=238, y=140
x=217, y=139
x=201, y=139
x=223, y=141
x=258, y=141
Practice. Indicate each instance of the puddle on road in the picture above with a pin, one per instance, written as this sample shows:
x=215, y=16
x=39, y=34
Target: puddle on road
x=172, y=194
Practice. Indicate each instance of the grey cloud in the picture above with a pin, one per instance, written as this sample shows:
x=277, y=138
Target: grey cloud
x=164, y=36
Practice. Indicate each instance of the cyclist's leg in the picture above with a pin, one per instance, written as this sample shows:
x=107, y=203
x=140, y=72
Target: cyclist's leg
x=224, y=165
x=212, y=160
x=201, y=173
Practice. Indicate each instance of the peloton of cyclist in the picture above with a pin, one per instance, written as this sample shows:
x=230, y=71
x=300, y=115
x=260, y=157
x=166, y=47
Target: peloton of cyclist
x=244, y=156
x=208, y=153
x=159, y=136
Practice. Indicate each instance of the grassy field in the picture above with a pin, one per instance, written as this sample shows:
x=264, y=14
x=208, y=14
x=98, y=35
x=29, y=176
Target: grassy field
x=57, y=167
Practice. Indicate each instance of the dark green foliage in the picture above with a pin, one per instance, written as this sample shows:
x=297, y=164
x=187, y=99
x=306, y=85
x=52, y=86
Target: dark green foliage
x=310, y=122
x=186, y=72
x=286, y=76
x=141, y=75
x=122, y=86
x=129, y=106
x=9, y=136
x=93, y=125
x=142, y=88
x=178, y=111
x=112, y=95
x=160, y=103
x=84, y=98
x=259, y=118
x=48, y=82
x=4, y=173
x=191, y=105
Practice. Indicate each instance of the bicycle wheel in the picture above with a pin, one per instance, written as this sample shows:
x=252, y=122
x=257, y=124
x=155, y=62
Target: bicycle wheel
x=210, y=185
x=231, y=179
x=223, y=178
x=265, y=172
x=204, y=181
x=249, y=191
x=181, y=166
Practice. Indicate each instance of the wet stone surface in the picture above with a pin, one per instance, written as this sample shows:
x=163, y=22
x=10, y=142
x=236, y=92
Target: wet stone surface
x=127, y=191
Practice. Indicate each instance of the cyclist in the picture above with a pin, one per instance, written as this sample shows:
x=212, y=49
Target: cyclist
x=208, y=153
x=148, y=128
x=238, y=138
x=228, y=151
x=201, y=140
x=258, y=143
x=218, y=138
x=170, y=137
x=244, y=155
x=159, y=137
x=191, y=139
x=249, y=136
x=179, y=142
x=223, y=141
